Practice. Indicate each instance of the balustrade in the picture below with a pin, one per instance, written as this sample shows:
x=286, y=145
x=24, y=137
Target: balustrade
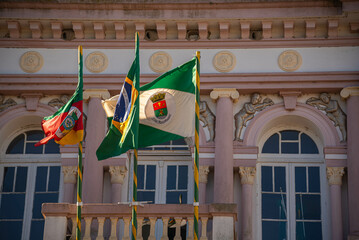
x=155, y=221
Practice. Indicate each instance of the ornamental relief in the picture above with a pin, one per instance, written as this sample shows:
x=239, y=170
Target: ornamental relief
x=160, y=62
x=6, y=104
x=333, y=111
x=289, y=61
x=96, y=62
x=248, y=111
x=208, y=118
x=224, y=61
x=31, y=62
x=59, y=102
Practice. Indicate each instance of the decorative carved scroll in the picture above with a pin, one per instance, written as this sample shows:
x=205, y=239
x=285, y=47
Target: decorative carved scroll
x=332, y=110
x=248, y=111
x=208, y=118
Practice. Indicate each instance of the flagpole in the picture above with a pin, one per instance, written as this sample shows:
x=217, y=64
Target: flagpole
x=134, y=198
x=134, y=194
x=196, y=154
x=79, y=165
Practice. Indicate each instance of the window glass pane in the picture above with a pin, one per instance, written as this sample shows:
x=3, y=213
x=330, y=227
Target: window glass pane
x=171, y=177
x=140, y=176
x=146, y=196
x=273, y=206
x=151, y=177
x=41, y=179
x=11, y=230
x=308, y=146
x=313, y=230
x=17, y=145
x=39, y=199
x=176, y=197
x=54, y=179
x=21, y=179
x=300, y=179
x=308, y=207
x=290, y=147
x=314, y=180
x=267, y=179
x=37, y=229
x=272, y=144
x=51, y=147
x=182, y=177
x=12, y=206
x=179, y=142
x=8, y=180
x=289, y=135
x=34, y=135
x=279, y=179
x=31, y=149
x=272, y=230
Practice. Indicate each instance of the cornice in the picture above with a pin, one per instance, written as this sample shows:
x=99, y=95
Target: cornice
x=178, y=44
x=308, y=82
x=164, y=6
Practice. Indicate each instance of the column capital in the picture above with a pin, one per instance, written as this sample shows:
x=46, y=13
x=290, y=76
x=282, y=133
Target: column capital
x=118, y=174
x=70, y=173
x=334, y=175
x=224, y=92
x=96, y=93
x=349, y=91
x=203, y=174
x=247, y=175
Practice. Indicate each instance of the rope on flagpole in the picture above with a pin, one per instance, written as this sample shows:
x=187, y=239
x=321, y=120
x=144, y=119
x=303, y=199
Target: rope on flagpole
x=79, y=165
x=134, y=199
x=196, y=156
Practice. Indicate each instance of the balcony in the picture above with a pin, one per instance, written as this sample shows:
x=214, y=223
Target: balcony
x=155, y=221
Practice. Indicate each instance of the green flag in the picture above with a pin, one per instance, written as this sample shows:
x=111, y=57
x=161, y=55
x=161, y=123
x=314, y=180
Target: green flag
x=167, y=106
x=123, y=131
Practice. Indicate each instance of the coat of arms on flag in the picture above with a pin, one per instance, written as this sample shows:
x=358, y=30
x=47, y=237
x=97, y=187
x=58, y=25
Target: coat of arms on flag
x=159, y=105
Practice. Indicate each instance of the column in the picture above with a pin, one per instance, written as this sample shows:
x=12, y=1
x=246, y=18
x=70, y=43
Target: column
x=223, y=164
x=334, y=175
x=70, y=174
x=203, y=179
x=95, y=132
x=118, y=174
x=352, y=96
x=247, y=175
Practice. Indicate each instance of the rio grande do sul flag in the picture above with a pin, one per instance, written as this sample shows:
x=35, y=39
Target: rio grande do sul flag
x=167, y=106
x=66, y=125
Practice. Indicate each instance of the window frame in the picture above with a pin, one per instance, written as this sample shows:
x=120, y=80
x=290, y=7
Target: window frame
x=290, y=201
x=31, y=161
x=290, y=161
x=30, y=189
x=161, y=164
x=22, y=158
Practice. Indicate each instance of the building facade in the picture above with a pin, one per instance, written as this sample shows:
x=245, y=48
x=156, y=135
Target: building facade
x=279, y=118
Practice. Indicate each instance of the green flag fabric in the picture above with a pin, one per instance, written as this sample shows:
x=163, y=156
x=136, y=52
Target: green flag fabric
x=167, y=106
x=123, y=130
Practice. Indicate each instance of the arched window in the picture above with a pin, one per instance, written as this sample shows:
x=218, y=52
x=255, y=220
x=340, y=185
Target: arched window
x=29, y=176
x=25, y=144
x=291, y=188
x=290, y=142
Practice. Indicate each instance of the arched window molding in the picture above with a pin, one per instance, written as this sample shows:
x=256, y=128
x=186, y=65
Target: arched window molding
x=312, y=120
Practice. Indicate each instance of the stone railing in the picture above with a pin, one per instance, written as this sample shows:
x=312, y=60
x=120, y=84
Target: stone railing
x=155, y=221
